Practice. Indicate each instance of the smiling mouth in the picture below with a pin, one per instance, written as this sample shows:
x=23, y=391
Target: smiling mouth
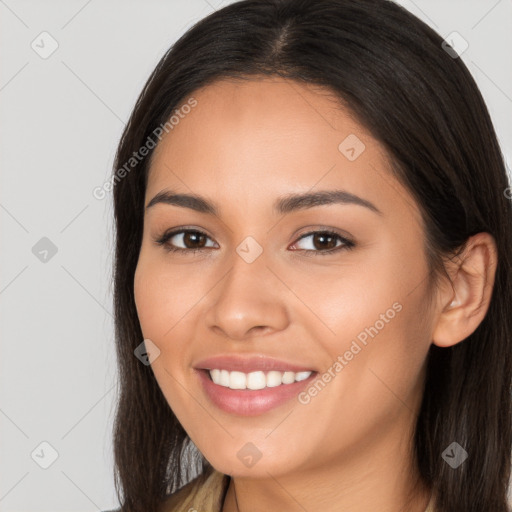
x=255, y=380
x=252, y=393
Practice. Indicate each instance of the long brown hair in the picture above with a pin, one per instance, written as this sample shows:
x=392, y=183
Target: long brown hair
x=391, y=70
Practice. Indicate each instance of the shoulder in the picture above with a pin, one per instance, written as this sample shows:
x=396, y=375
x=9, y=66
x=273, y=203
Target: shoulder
x=205, y=493
x=432, y=503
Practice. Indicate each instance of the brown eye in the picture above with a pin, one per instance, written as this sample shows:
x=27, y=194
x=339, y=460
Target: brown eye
x=325, y=242
x=193, y=238
x=190, y=240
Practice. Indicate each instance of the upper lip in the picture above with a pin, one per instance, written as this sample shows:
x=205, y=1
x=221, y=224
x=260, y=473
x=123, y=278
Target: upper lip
x=249, y=364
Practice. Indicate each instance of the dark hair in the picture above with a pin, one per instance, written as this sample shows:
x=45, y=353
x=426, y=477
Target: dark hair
x=392, y=73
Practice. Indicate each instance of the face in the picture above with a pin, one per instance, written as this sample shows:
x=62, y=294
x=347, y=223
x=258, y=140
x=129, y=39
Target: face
x=337, y=287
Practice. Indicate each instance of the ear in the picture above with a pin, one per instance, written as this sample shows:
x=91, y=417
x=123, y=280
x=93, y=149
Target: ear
x=464, y=304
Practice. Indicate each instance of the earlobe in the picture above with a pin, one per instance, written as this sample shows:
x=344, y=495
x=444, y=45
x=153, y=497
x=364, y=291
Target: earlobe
x=463, y=307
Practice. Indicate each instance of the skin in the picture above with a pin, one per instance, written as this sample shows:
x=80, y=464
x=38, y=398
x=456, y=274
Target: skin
x=244, y=145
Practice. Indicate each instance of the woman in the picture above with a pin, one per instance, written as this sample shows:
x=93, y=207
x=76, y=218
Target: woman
x=312, y=272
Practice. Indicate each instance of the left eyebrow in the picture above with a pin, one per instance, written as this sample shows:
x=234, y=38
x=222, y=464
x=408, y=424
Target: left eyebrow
x=282, y=206
x=295, y=202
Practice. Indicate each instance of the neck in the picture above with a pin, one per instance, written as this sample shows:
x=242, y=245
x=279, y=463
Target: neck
x=382, y=476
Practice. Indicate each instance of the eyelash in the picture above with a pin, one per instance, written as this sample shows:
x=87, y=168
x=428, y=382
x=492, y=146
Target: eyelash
x=347, y=244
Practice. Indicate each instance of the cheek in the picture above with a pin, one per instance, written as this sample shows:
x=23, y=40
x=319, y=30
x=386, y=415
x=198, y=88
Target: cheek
x=163, y=319
x=164, y=296
x=347, y=297
x=167, y=300
x=376, y=315
x=148, y=294
x=347, y=302
x=385, y=373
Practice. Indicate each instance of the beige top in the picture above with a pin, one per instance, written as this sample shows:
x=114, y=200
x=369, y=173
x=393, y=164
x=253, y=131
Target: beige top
x=206, y=493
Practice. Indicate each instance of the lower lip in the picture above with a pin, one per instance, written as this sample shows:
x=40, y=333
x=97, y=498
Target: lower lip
x=250, y=402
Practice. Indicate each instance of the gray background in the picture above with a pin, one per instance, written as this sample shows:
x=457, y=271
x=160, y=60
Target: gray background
x=61, y=119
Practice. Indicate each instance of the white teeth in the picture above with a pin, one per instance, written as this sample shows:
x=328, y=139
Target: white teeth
x=255, y=380
x=215, y=375
x=237, y=380
x=302, y=375
x=274, y=379
x=288, y=377
x=224, y=378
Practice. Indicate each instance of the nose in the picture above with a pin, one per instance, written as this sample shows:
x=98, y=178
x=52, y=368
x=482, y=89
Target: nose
x=249, y=300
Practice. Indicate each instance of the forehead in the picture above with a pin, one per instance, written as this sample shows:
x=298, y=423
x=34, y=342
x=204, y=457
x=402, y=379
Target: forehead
x=254, y=138
x=234, y=115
